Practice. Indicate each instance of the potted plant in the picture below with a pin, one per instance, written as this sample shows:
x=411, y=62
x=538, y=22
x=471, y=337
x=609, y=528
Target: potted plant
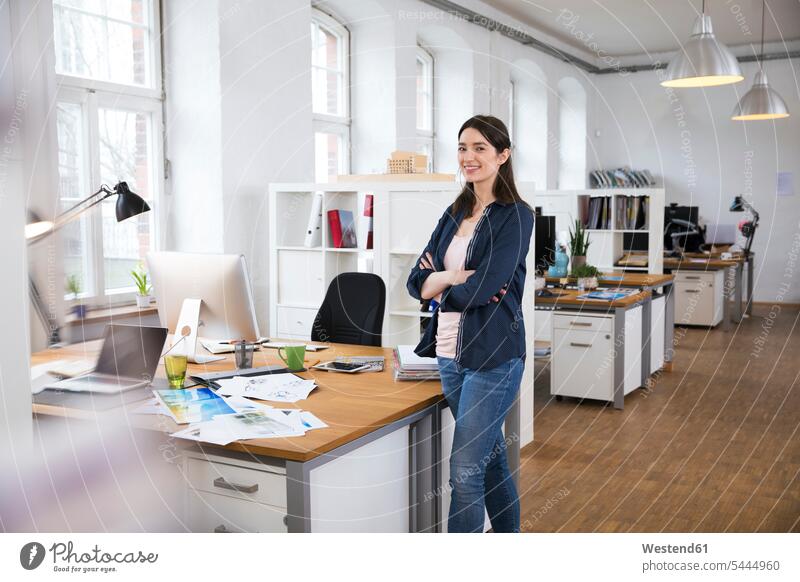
x=143, y=287
x=74, y=289
x=586, y=276
x=578, y=244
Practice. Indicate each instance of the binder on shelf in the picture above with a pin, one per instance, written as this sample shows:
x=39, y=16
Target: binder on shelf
x=342, y=227
x=368, y=202
x=314, y=228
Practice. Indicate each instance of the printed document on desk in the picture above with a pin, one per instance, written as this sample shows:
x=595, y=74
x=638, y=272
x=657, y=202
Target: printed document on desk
x=192, y=404
x=273, y=387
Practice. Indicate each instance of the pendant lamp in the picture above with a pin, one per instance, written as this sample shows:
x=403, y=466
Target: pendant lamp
x=703, y=61
x=761, y=101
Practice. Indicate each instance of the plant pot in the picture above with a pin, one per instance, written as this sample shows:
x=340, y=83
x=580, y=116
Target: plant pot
x=587, y=283
x=142, y=301
x=79, y=311
x=578, y=261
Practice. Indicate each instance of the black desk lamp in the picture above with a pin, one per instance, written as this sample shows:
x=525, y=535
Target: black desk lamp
x=129, y=204
x=747, y=227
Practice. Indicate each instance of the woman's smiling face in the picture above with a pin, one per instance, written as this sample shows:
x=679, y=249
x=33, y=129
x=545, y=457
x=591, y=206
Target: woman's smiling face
x=477, y=158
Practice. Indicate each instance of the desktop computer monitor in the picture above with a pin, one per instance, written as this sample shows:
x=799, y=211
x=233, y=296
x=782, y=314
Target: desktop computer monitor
x=227, y=311
x=690, y=243
x=544, y=242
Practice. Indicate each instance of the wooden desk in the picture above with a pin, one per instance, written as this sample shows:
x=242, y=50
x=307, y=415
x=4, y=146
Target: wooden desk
x=734, y=267
x=380, y=456
x=618, y=341
x=646, y=282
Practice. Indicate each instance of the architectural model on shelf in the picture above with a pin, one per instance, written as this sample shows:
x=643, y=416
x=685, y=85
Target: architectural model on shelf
x=625, y=225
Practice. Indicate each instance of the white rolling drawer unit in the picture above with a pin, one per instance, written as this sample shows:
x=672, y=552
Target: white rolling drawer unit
x=699, y=297
x=587, y=360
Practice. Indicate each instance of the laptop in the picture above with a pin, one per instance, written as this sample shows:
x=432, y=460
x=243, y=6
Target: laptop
x=128, y=360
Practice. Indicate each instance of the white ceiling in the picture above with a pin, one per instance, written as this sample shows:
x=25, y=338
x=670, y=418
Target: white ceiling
x=635, y=27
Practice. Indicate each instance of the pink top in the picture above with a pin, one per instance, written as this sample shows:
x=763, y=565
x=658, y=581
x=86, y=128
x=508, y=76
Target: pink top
x=447, y=330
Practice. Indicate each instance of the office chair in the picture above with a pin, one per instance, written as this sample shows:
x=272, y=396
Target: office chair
x=352, y=311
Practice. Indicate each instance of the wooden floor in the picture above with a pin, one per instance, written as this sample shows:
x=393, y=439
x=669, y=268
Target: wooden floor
x=713, y=446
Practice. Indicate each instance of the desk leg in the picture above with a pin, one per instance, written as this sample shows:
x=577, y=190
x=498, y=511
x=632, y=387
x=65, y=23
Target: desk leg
x=423, y=465
x=738, y=295
x=749, y=307
x=647, y=314
x=298, y=497
x=669, y=323
x=726, y=296
x=512, y=426
x=619, y=358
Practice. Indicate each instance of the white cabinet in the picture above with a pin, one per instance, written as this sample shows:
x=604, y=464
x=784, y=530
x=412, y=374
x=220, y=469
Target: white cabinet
x=584, y=352
x=699, y=297
x=233, y=495
x=657, y=335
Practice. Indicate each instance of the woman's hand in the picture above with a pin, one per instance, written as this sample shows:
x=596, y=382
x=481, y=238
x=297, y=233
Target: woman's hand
x=499, y=295
x=426, y=262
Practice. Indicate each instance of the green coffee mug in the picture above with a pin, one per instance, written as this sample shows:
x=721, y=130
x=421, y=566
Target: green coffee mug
x=295, y=355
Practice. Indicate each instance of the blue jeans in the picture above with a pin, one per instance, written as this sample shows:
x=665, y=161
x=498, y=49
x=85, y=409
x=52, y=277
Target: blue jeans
x=479, y=474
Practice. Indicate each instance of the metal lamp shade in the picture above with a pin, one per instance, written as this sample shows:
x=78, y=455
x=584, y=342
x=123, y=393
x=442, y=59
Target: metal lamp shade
x=760, y=102
x=35, y=227
x=703, y=62
x=128, y=203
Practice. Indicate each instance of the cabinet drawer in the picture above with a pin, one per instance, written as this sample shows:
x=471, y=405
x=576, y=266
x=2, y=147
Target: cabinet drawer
x=582, y=322
x=696, y=277
x=211, y=513
x=237, y=482
x=582, y=364
x=295, y=321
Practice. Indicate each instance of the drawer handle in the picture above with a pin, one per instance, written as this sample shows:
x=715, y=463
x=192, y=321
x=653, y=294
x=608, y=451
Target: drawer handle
x=223, y=484
x=580, y=324
x=691, y=290
x=692, y=278
x=221, y=529
x=577, y=345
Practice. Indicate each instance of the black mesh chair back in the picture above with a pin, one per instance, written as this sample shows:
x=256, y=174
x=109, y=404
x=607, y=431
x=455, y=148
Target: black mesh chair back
x=352, y=311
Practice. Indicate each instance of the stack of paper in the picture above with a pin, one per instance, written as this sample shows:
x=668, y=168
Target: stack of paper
x=273, y=387
x=410, y=366
x=259, y=424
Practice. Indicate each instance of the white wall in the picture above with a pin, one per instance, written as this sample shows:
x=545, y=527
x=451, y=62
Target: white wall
x=239, y=117
x=687, y=139
x=15, y=394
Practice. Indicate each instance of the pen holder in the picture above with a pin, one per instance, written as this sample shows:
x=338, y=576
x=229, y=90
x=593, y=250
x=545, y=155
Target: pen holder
x=243, y=352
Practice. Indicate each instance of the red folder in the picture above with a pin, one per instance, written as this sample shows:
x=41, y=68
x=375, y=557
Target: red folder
x=335, y=226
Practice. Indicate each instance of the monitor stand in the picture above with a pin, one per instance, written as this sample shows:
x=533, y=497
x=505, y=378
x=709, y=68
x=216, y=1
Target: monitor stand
x=188, y=324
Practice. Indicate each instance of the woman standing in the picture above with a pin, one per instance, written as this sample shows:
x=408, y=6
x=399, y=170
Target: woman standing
x=474, y=265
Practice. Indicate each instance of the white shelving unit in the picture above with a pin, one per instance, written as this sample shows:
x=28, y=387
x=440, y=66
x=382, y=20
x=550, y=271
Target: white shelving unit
x=404, y=216
x=607, y=244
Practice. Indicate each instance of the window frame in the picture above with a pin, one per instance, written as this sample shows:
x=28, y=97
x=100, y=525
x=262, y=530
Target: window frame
x=326, y=122
x=92, y=95
x=426, y=136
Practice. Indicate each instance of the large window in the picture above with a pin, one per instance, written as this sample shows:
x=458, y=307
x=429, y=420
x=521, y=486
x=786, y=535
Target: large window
x=330, y=96
x=529, y=122
x=425, y=137
x=109, y=128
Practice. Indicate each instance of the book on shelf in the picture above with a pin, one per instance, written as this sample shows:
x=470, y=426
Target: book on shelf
x=599, y=213
x=342, y=227
x=314, y=228
x=368, y=213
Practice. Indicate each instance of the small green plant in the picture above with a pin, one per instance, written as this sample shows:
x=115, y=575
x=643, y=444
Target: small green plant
x=585, y=271
x=74, y=285
x=578, y=240
x=143, y=286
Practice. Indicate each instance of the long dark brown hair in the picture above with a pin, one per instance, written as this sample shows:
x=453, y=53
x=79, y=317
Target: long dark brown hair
x=504, y=189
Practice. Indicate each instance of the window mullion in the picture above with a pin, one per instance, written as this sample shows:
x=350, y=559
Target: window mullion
x=96, y=214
